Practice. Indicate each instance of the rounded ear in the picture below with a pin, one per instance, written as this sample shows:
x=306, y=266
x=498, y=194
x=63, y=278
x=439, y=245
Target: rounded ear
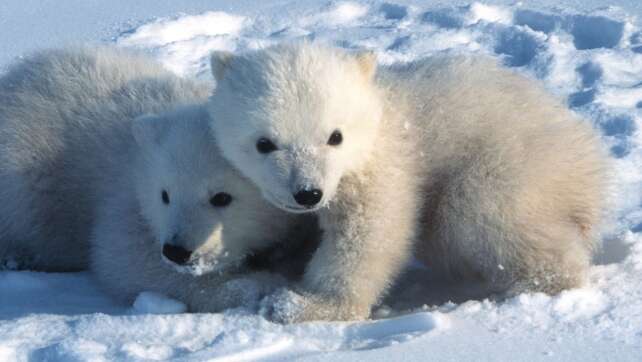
x=148, y=130
x=367, y=61
x=219, y=62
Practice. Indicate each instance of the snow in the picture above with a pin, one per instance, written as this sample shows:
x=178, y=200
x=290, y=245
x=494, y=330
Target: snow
x=154, y=303
x=583, y=51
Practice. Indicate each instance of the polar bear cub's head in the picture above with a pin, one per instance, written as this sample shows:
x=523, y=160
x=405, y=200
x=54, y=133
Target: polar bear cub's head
x=296, y=117
x=203, y=214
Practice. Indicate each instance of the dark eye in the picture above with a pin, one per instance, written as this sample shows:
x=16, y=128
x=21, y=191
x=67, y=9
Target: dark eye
x=335, y=138
x=221, y=199
x=165, y=197
x=264, y=145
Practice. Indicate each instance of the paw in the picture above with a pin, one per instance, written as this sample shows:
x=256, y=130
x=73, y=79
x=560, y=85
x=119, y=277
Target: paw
x=284, y=306
x=248, y=291
x=287, y=306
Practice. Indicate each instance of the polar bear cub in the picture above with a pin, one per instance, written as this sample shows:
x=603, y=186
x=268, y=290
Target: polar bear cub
x=477, y=167
x=65, y=126
x=179, y=192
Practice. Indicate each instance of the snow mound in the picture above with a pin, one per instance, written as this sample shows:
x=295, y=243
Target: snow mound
x=167, y=31
x=593, y=60
x=339, y=14
x=186, y=37
x=154, y=303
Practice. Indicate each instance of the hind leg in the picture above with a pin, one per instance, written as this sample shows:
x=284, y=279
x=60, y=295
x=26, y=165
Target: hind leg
x=17, y=225
x=484, y=222
x=557, y=260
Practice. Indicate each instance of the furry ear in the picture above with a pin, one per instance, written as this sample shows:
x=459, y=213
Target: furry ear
x=219, y=61
x=367, y=61
x=148, y=130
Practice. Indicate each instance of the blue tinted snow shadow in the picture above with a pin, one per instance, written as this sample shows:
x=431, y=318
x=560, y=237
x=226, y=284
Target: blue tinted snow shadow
x=591, y=32
x=447, y=18
x=620, y=126
x=393, y=11
x=581, y=98
x=590, y=73
x=621, y=150
x=537, y=21
x=518, y=47
x=385, y=332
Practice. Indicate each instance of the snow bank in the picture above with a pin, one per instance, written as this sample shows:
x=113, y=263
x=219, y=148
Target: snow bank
x=593, y=60
x=177, y=40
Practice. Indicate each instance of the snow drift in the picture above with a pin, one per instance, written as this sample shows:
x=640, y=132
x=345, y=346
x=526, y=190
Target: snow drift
x=593, y=60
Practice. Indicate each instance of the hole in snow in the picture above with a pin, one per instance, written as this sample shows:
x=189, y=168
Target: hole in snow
x=591, y=32
x=394, y=11
x=581, y=98
x=444, y=18
x=637, y=49
x=590, y=73
x=621, y=150
x=518, y=47
x=618, y=126
x=639, y=105
x=537, y=21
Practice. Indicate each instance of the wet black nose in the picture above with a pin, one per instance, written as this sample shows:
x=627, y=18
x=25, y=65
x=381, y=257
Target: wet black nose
x=308, y=197
x=176, y=254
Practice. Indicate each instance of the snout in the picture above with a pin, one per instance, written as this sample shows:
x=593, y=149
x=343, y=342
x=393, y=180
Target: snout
x=308, y=198
x=176, y=253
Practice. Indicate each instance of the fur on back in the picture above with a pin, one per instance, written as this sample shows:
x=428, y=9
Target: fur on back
x=516, y=185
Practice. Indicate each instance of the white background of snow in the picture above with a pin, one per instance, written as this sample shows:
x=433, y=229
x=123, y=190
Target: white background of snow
x=64, y=317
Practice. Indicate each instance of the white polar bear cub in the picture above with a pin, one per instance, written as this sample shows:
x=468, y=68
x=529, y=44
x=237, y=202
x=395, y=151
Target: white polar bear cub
x=491, y=177
x=179, y=191
x=65, y=126
x=81, y=160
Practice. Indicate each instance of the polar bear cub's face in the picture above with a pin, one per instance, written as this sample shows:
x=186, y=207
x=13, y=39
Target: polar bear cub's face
x=295, y=118
x=202, y=213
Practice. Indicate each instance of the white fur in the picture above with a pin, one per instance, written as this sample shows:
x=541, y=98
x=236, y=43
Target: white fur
x=178, y=154
x=256, y=89
x=515, y=184
x=478, y=165
x=82, y=156
x=65, y=119
x=297, y=95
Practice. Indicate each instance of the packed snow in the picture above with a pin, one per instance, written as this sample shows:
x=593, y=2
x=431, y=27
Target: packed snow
x=592, y=57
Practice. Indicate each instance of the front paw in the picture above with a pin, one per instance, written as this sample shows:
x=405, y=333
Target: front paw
x=247, y=291
x=284, y=306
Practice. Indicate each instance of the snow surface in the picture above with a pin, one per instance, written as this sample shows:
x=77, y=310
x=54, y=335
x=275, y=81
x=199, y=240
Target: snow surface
x=585, y=52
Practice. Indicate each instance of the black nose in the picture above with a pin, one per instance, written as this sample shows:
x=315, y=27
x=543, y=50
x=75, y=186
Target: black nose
x=176, y=254
x=308, y=197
